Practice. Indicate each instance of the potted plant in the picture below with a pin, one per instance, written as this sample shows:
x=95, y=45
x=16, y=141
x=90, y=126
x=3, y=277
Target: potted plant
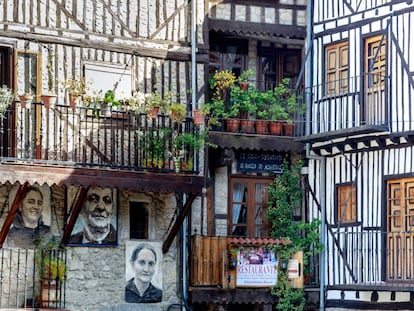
x=290, y=101
x=76, y=88
x=26, y=100
x=177, y=112
x=183, y=147
x=153, y=144
x=214, y=109
x=241, y=100
x=264, y=100
x=52, y=269
x=242, y=80
x=135, y=103
x=49, y=97
x=53, y=275
x=6, y=99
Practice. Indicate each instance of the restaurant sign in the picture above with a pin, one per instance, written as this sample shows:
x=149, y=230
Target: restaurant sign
x=257, y=267
x=259, y=162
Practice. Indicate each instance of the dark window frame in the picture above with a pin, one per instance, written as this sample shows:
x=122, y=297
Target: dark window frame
x=248, y=208
x=141, y=214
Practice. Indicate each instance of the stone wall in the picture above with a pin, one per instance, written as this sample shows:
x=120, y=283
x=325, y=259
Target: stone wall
x=96, y=277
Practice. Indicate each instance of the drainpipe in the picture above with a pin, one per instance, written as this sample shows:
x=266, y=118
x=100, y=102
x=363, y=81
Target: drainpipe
x=321, y=159
x=184, y=265
x=193, y=55
x=185, y=225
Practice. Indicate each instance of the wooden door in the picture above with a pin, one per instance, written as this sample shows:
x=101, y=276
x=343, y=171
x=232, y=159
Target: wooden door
x=375, y=68
x=400, y=234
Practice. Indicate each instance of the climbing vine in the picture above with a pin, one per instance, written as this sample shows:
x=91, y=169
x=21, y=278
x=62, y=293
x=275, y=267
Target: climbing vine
x=285, y=196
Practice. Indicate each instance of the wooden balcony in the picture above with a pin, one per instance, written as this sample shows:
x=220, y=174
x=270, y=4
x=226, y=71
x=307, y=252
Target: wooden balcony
x=213, y=266
x=82, y=137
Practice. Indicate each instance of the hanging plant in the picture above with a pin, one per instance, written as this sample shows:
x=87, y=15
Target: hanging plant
x=6, y=99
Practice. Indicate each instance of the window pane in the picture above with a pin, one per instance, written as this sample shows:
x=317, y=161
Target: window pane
x=138, y=221
x=248, y=207
x=260, y=217
x=239, y=209
x=336, y=68
x=346, y=204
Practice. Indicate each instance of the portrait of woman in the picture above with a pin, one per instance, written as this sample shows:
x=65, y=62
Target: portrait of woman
x=28, y=228
x=142, y=284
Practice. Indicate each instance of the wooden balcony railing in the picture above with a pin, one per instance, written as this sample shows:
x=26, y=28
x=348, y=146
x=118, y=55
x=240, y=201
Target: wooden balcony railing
x=115, y=139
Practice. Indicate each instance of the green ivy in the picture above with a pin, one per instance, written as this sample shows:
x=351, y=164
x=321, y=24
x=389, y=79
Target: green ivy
x=285, y=196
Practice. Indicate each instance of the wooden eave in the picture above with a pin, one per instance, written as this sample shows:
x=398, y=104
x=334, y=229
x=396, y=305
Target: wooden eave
x=353, y=131
x=255, y=30
x=29, y=173
x=362, y=142
x=255, y=142
x=142, y=181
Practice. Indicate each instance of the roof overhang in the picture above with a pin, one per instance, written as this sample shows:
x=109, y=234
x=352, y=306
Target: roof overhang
x=359, y=139
x=285, y=34
x=143, y=181
x=255, y=142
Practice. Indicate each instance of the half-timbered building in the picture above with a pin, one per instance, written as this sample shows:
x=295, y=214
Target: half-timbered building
x=188, y=202
x=267, y=37
x=360, y=150
x=64, y=151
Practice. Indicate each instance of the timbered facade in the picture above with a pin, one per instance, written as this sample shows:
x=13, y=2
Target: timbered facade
x=193, y=206
x=126, y=47
x=267, y=37
x=361, y=150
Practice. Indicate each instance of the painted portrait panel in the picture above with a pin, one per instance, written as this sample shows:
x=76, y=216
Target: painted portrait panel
x=31, y=225
x=96, y=223
x=143, y=272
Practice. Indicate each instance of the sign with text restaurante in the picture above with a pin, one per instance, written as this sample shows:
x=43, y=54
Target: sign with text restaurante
x=256, y=267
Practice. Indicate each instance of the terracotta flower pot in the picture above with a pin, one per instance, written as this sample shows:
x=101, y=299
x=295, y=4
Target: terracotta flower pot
x=49, y=100
x=198, y=117
x=232, y=125
x=276, y=128
x=154, y=112
x=289, y=129
x=247, y=126
x=74, y=100
x=262, y=126
x=25, y=100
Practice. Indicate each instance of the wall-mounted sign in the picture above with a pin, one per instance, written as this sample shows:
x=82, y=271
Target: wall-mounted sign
x=259, y=162
x=256, y=267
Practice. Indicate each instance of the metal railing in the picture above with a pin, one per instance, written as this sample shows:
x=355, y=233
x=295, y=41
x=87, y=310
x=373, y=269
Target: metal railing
x=351, y=102
x=372, y=258
x=115, y=139
x=30, y=278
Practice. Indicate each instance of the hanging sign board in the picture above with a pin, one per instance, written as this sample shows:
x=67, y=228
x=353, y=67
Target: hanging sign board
x=256, y=267
x=259, y=162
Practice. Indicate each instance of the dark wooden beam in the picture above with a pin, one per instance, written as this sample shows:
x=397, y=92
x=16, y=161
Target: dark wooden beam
x=174, y=230
x=74, y=215
x=86, y=177
x=21, y=192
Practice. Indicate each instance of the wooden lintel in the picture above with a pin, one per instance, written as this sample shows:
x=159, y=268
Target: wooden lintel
x=174, y=230
x=21, y=192
x=74, y=215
